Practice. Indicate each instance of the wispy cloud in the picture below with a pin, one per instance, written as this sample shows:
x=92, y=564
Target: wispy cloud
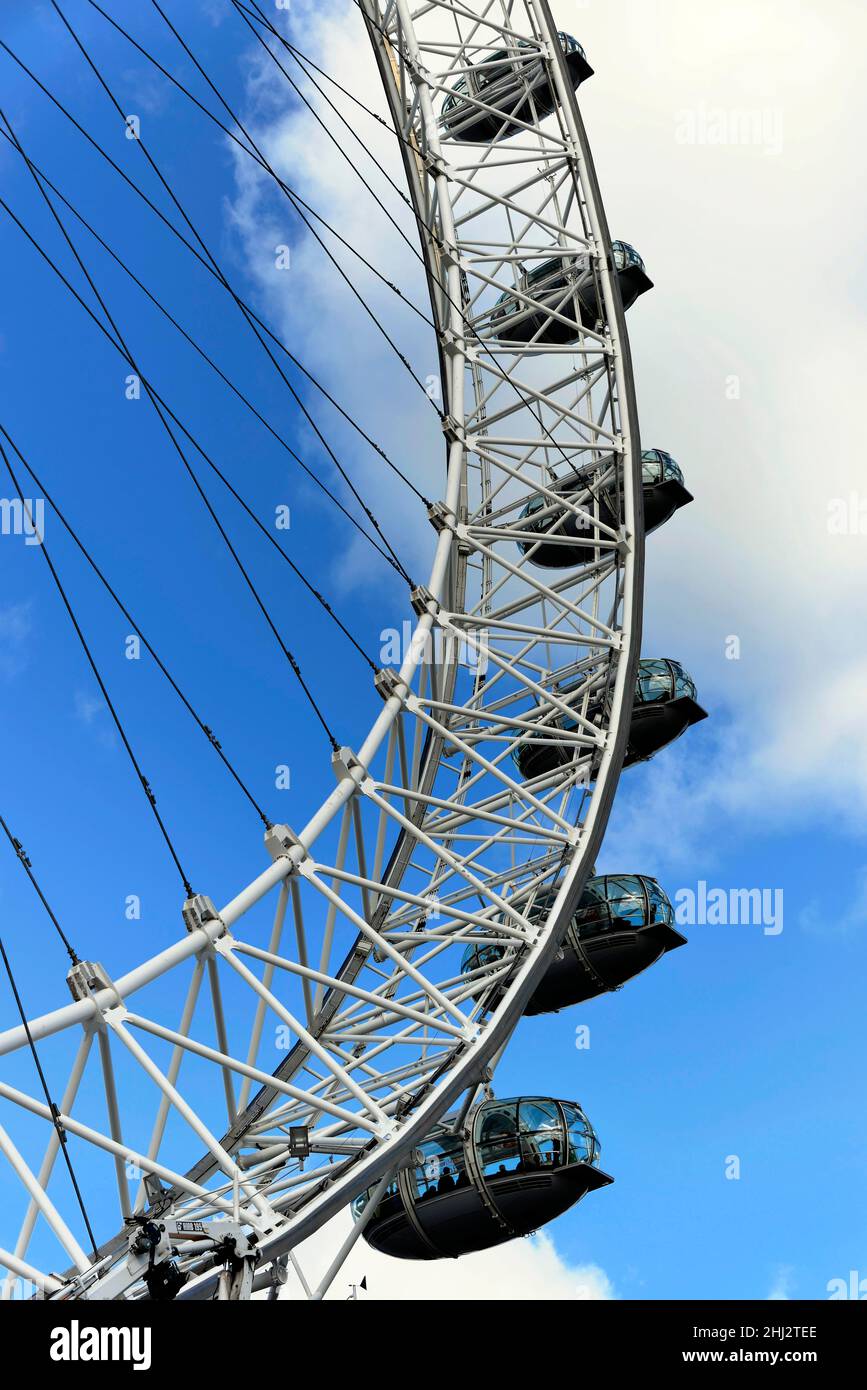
x=91, y=711
x=16, y=628
x=782, y=1284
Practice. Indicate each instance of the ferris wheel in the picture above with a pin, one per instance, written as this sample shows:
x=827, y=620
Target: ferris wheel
x=446, y=887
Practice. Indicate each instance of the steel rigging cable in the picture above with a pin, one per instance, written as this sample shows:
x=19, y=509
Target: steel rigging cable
x=424, y=229
x=120, y=341
x=52, y=1107
x=167, y=408
x=262, y=161
x=402, y=358
x=176, y=201
x=205, y=728
x=24, y=860
x=297, y=90
x=145, y=784
x=119, y=261
x=249, y=312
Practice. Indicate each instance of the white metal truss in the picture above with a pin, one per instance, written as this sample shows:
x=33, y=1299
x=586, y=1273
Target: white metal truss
x=347, y=948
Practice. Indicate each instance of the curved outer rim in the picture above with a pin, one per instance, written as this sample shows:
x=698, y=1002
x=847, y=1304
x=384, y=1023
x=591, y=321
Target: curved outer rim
x=490, y=1040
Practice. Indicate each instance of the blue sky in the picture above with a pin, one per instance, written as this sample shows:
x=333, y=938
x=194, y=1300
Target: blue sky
x=744, y=1043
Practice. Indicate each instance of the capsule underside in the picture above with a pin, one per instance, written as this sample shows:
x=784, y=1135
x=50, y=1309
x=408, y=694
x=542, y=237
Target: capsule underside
x=460, y=1222
x=588, y=968
x=661, y=500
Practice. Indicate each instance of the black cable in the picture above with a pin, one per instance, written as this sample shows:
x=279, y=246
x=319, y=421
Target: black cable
x=305, y=58
x=525, y=401
x=261, y=160
x=248, y=310
x=244, y=13
x=304, y=62
x=320, y=598
x=199, y=349
x=24, y=860
x=176, y=201
x=422, y=226
x=187, y=465
x=171, y=414
x=55, y=1112
x=402, y=358
x=206, y=730
x=127, y=357
x=146, y=787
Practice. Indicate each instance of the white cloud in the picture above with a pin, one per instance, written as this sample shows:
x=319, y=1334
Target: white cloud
x=781, y=1287
x=87, y=707
x=92, y=712
x=524, y=1270
x=15, y=631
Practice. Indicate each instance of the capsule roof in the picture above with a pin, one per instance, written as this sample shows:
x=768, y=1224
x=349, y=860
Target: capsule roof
x=660, y=678
x=659, y=467
x=626, y=255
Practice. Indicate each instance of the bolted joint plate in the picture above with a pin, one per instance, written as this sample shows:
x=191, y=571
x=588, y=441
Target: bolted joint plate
x=422, y=601
x=347, y=767
x=387, y=683
x=441, y=517
x=198, y=911
x=454, y=430
x=280, y=841
x=86, y=978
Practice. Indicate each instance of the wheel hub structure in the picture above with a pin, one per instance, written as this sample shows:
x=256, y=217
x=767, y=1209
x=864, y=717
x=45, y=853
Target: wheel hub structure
x=347, y=947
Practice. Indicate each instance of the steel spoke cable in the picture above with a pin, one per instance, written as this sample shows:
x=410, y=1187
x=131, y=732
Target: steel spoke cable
x=128, y=357
x=155, y=395
x=423, y=228
x=25, y=862
x=187, y=465
x=200, y=350
x=145, y=784
x=526, y=402
x=52, y=1106
x=205, y=728
x=304, y=57
x=261, y=160
x=116, y=104
x=244, y=14
x=248, y=310
x=197, y=235
x=402, y=358
x=304, y=60
x=304, y=63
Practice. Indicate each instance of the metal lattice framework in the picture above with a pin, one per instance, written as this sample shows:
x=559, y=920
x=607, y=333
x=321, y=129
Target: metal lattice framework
x=348, y=945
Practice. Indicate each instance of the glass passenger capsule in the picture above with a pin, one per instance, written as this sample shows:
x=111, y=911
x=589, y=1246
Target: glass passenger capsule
x=623, y=924
x=516, y=1165
x=515, y=84
x=564, y=297
x=664, y=706
x=663, y=492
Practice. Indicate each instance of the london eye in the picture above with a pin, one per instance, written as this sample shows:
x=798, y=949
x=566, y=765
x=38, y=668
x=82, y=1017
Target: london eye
x=446, y=887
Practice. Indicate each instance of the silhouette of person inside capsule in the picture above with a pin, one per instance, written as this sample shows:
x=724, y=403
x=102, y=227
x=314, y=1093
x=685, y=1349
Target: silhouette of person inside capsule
x=447, y=1182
